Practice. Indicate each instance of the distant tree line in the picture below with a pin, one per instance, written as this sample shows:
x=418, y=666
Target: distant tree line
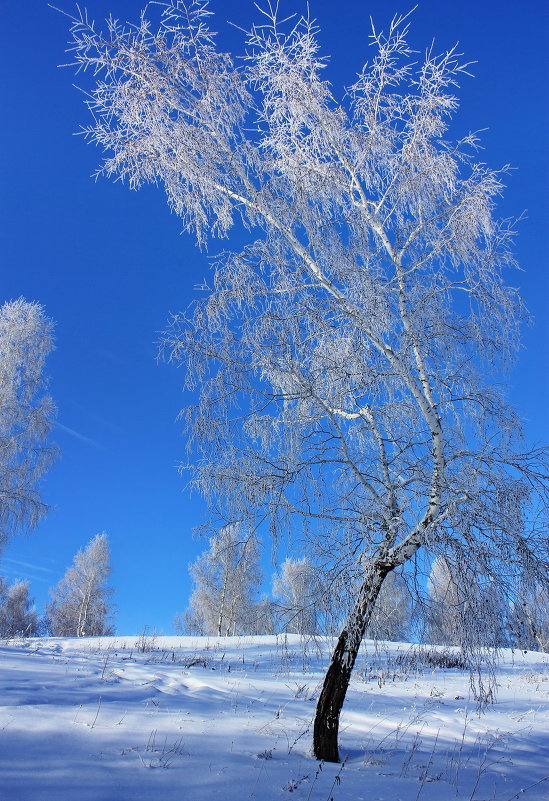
x=226, y=600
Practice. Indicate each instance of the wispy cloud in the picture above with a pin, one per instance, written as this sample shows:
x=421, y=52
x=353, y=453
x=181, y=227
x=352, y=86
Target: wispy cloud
x=14, y=569
x=27, y=564
x=97, y=418
x=76, y=434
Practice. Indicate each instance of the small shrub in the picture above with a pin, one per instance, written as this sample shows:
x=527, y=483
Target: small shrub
x=421, y=658
x=146, y=642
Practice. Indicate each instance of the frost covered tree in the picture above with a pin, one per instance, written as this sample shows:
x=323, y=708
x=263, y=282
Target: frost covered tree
x=80, y=603
x=226, y=579
x=343, y=358
x=298, y=592
x=444, y=615
x=26, y=415
x=18, y=616
x=462, y=606
x=263, y=618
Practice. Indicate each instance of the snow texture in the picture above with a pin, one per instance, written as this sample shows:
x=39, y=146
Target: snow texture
x=227, y=719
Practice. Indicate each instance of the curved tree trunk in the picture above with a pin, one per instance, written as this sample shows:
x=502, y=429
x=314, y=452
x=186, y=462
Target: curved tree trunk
x=336, y=682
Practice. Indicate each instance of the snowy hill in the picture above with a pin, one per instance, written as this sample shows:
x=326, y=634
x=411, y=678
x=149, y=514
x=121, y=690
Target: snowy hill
x=206, y=719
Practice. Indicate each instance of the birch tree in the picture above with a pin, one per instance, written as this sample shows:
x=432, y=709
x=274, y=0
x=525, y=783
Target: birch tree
x=226, y=578
x=26, y=415
x=444, y=614
x=343, y=357
x=80, y=603
x=18, y=616
x=298, y=592
x=464, y=606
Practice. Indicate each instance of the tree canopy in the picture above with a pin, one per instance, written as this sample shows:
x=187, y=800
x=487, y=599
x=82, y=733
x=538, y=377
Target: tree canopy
x=26, y=415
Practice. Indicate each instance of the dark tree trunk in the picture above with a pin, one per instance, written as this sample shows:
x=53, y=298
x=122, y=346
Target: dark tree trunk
x=334, y=689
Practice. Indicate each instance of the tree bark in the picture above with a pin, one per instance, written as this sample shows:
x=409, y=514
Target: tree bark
x=336, y=682
x=222, y=607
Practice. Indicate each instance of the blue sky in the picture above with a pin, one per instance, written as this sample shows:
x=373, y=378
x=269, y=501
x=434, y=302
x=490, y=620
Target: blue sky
x=109, y=265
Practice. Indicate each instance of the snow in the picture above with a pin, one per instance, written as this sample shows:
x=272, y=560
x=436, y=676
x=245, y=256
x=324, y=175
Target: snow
x=201, y=719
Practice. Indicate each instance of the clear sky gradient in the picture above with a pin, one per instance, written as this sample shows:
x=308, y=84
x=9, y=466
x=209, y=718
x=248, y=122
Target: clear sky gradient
x=109, y=265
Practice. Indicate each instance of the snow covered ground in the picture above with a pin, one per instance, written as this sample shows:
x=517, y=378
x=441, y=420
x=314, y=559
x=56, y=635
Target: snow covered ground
x=206, y=719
